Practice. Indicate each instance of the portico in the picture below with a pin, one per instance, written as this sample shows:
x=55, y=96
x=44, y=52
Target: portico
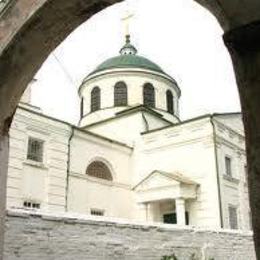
x=164, y=197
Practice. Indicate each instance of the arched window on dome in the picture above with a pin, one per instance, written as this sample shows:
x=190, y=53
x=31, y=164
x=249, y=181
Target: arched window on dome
x=120, y=94
x=169, y=101
x=99, y=170
x=95, y=99
x=149, y=95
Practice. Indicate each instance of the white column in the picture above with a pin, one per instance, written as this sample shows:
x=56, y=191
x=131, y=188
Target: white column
x=149, y=208
x=180, y=210
x=142, y=208
x=152, y=210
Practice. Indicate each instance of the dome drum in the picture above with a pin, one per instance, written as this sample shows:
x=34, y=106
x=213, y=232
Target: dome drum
x=128, y=81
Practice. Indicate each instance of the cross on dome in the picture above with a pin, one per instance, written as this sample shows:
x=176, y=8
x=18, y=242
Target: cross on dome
x=128, y=48
x=126, y=20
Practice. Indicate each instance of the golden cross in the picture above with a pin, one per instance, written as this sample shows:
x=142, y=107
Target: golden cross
x=126, y=20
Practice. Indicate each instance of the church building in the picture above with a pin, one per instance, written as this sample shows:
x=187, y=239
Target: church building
x=131, y=157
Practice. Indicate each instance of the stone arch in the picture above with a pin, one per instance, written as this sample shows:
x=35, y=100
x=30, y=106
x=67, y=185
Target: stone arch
x=30, y=30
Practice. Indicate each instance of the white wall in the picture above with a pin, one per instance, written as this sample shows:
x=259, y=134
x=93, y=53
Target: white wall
x=127, y=128
x=234, y=191
x=90, y=193
x=44, y=182
x=88, y=148
x=86, y=193
x=189, y=150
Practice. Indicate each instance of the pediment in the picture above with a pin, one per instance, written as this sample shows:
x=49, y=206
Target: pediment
x=156, y=180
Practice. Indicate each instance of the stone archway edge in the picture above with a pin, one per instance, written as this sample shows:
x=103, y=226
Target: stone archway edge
x=27, y=38
x=31, y=29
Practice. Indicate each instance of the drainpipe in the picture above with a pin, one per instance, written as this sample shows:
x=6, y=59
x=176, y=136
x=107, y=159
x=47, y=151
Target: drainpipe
x=217, y=171
x=68, y=168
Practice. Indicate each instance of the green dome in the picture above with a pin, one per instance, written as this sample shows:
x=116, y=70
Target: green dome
x=128, y=61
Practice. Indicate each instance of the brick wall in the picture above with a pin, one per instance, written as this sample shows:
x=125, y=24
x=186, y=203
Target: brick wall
x=38, y=236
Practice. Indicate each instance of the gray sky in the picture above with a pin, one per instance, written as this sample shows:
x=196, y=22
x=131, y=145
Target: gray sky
x=179, y=35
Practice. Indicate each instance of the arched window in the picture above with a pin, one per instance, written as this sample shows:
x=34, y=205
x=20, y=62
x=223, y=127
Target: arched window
x=169, y=100
x=95, y=99
x=120, y=94
x=99, y=170
x=149, y=95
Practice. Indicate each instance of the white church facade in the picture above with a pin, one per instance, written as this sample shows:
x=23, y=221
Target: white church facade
x=131, y=157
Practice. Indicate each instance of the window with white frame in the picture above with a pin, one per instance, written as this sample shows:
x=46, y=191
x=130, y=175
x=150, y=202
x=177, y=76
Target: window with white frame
x=97, y=212
x=228, y=165
x=31, y=205
x=35, y=150
x=233, y=218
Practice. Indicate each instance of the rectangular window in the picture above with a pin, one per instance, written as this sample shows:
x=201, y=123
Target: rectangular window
x=228, y=166
x=233, y=222
x=97, y=212
x=35, y=150
x=31, y=205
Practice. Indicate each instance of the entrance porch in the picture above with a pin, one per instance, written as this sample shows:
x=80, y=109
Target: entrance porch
x=166, y=197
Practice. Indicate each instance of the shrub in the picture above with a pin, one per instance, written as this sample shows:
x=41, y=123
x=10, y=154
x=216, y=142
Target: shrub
x=173, y=257
x=170, y=257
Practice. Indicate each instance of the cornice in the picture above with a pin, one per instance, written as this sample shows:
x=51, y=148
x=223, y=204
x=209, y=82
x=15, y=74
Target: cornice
x=92, y=137
x=131, y=110
x=161, y=146
x=226, y=127
x=37, y=123
x=131, y=71
x=100, y=181
x=221, y=140
x=177, y=124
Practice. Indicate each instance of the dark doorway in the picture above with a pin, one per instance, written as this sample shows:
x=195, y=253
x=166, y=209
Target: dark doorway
x=171, y=218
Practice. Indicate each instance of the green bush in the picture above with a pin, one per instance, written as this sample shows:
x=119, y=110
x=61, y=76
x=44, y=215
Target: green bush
x=173, y=257
x=170, y=257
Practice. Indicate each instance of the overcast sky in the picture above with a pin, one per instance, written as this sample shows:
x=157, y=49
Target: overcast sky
x=178, y=35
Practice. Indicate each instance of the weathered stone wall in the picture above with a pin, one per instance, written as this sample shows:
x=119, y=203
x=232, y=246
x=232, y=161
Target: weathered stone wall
x=36, y=236
x=4, y=145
